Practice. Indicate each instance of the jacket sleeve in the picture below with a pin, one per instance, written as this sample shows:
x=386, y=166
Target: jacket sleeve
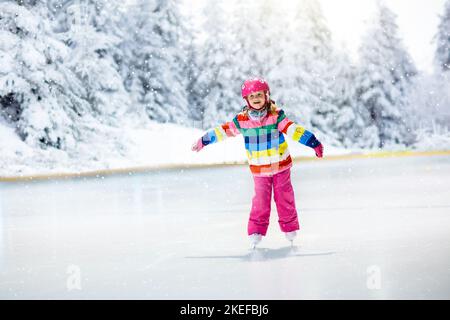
x=221, y=133
x=295, y=131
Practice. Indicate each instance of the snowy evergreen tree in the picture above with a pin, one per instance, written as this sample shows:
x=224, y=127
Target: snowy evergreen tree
x=442, y=55
x=289, y=77
x=38, y=93
x=219, y=79
x=440, y=93
x=270, y=36
x=194, y=99
x=429, y=102
x=89, y=30
x=136, y=49
x=158, y=61
x=278, y=54
x=303, y=72
x=186, y=61
x=431, y=95
x=317, y=61
x=384, y=81
x=348, y=125
x=245, y=31
x=190, y=44
x=264, y=46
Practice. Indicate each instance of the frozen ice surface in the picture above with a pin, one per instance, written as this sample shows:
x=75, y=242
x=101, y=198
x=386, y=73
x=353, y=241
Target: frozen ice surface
x=371, y=229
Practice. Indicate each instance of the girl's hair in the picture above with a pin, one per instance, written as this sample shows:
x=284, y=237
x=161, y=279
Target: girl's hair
x=270, y=105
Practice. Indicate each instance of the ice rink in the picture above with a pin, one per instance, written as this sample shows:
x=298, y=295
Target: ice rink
x=371, y=229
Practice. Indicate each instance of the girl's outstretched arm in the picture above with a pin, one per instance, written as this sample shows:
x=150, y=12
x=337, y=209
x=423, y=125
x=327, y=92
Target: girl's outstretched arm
x=299, y=134
x=216, y=134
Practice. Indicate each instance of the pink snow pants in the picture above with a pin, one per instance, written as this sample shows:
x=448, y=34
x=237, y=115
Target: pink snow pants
x=284, y=200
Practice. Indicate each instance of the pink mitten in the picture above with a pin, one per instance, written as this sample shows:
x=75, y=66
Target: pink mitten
x=197, y=146
x=319, y=151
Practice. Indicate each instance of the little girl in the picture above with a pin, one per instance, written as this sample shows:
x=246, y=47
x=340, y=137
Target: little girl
x=262, y=123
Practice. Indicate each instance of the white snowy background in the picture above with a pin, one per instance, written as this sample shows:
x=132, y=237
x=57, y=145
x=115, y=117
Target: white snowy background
x=96, y=85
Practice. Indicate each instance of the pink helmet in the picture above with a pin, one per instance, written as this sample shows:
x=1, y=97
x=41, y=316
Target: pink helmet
x=253, y=85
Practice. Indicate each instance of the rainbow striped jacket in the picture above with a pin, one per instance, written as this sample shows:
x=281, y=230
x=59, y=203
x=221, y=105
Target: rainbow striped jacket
x=267, y=150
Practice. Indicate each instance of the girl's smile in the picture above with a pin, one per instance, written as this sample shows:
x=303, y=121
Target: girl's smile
x=257, y=99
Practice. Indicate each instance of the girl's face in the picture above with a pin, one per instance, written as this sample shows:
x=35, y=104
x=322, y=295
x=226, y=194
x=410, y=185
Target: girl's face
x=256, y=99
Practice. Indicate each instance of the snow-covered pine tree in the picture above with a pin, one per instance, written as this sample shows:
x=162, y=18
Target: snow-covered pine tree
x=442, y=54
x=308, y=82
x=384, y=80
x=159, y=60
x=219, y=78
x=195, y=102
x=38, y=93
x=265, y=46
x=318, y=47
x=89, y=29
x=270, y=36
x=190, y=43
x=136, y=49
x=429, y=102
x=245, y=28
x=189, y=69
x=277, y=51
x=441, y=91
x=287, y=75
x=348, y=125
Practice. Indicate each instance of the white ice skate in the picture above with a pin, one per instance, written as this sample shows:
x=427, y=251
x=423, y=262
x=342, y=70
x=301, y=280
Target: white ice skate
x=291, y=236
x=255, y=238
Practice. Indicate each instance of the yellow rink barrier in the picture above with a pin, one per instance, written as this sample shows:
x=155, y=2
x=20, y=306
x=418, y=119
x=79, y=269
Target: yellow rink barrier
x=133, y=170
